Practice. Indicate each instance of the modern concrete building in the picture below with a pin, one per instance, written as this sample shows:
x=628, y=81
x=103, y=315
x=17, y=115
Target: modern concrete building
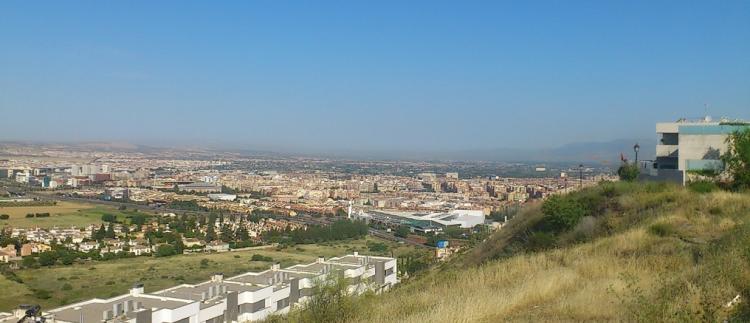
x=462, y=218
x=246, y=297
x=689, y=145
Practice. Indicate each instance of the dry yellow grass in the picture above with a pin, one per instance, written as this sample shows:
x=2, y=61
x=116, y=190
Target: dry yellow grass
x=607, y=279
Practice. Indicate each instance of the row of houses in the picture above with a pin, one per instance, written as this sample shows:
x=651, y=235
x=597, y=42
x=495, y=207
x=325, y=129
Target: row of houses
x=245, y=297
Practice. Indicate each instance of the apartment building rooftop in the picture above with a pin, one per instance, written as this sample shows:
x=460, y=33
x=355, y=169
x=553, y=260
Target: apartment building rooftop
x=119, y=308
x=245, y=297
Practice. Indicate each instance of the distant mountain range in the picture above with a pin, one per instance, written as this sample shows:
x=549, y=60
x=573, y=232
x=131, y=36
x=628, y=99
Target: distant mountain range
x=604, y=152
x=608, y=151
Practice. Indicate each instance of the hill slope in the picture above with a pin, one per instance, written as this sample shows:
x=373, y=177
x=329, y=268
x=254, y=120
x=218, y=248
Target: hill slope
x=642, y=253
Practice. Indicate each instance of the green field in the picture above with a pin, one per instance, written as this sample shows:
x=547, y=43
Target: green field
x=109, y=278
x=64, y=214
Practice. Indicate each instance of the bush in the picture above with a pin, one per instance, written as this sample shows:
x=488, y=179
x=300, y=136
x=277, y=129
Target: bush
x=703, y=186
x=561, y=213
x=165, y=251
x=106, y=217
x=628, y=172
x=377, y=247
x=331, y=301
x=257, y=257
x=66, y=286
x=42, y=294
x=4, y=216
x=737, y=158
x=402, y=231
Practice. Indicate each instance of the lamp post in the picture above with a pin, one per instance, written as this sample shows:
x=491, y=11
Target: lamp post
x=636, y=148
x=580, y=177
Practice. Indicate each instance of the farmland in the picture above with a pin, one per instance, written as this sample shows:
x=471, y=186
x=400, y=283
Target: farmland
x=64, y=214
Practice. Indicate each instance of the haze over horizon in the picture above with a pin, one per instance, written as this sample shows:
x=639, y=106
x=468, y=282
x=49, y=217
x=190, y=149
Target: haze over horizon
x=419, y=76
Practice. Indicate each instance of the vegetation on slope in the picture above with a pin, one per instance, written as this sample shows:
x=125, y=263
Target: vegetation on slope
x=649, y=253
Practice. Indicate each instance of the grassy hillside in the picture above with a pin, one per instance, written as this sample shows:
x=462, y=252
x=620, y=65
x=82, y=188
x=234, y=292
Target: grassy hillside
x=650, y=253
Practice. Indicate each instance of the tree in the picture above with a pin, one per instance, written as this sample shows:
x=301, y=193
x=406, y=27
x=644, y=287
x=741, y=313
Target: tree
x=226, y=234
x=29, y=262
x=241, y=234
x=165, y=250
x=628, y=172
x=101, y=233
x=402, y=231
x=106, y=217
x=210, y=234
x=138, y=220
x=47, y=258
x=110, y=233
x=737, y=158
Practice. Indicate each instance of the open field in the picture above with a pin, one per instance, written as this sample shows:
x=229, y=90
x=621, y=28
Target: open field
x=108, y=278
x=64, y=214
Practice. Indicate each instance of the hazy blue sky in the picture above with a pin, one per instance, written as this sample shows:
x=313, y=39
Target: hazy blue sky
x=367, y=75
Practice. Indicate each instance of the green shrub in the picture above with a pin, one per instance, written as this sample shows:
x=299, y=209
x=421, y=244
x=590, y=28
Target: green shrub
x=628, y=172
x=561, y=213
x=257, y=257
x=703, y=186
x=42, y=294
x=737, y=158
x=66, y=286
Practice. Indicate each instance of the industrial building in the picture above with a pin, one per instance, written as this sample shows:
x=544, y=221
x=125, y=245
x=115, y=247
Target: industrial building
x=689, y=145
x=423, y=221
x=246, y=297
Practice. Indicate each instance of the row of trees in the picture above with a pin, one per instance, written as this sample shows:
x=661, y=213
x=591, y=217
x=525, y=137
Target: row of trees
x=339, y=230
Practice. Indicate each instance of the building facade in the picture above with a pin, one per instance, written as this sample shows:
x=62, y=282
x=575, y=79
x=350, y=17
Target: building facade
x=686, y=146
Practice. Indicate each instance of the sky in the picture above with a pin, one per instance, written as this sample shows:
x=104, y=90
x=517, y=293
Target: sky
x=367, y=75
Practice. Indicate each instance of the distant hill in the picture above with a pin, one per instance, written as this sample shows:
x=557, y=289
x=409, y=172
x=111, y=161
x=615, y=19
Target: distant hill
x=605, y=152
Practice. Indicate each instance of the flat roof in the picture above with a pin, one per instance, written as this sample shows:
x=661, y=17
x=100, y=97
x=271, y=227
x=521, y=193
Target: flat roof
x=93, y=310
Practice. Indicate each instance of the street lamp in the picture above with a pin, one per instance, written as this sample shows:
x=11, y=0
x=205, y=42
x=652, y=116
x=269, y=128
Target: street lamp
x=636, y=148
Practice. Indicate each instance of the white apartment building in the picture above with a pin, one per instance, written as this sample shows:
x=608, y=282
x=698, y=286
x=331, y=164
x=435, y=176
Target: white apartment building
x=246, y=297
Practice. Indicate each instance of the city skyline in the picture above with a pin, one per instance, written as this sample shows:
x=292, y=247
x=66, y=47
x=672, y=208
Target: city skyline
x=368, y=77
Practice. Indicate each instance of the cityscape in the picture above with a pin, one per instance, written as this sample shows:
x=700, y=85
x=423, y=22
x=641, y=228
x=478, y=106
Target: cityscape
x=237, y=162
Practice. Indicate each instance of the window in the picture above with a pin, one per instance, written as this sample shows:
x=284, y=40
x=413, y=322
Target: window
x=282, y=303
